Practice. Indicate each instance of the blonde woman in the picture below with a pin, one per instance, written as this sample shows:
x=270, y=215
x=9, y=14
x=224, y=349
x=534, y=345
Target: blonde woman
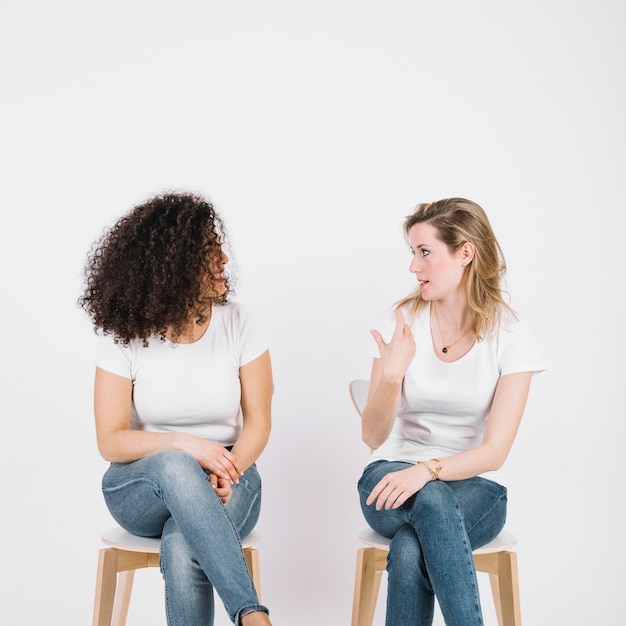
x=449, y=382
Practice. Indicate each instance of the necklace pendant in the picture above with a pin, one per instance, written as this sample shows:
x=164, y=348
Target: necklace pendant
x=445, y=349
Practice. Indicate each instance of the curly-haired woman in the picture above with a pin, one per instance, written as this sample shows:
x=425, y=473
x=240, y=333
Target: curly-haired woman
x=182, y=401
x=450, y=377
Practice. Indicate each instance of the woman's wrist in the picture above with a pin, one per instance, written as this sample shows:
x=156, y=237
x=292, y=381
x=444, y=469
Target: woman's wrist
x=433, y=467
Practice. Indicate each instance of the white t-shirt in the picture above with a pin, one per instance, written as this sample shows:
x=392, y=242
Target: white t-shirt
x=444, y=407
x=191, y=387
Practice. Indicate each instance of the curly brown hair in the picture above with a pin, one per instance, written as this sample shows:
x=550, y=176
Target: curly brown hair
x=149, y=272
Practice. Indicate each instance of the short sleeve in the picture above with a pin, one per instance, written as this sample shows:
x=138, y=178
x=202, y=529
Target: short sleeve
x=518, y=349
x=253, y=339
x=113, y=357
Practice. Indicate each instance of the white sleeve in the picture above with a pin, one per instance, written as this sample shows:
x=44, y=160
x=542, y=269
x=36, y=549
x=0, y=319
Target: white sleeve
x=113, y=357
x=253, y=340
x=518, y=349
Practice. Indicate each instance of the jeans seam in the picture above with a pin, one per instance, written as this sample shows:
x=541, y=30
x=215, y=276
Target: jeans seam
x=246, y=610
x=130, y=482
x=487, y=513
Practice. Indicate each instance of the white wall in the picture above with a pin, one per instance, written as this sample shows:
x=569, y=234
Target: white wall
x=315, y=127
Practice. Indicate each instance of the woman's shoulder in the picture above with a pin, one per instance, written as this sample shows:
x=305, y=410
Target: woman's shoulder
x=516, y=341
x=512, y=322
x=232, y=310
x=236, y=317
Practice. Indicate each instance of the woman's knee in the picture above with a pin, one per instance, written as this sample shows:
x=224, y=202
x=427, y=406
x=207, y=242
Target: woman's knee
x=405, y=549
x=406, y=559
x=175, y=467
x=436, y=496
x=177, y=557
x=174, y=461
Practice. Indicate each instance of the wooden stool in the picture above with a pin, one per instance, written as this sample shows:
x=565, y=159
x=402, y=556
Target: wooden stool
x=493, y=558
x=125, y=554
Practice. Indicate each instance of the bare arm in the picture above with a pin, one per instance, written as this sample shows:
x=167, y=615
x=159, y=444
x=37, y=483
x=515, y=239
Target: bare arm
x=118, y=443
x=504, y=419
x=257, y=387
x=380, y=410
x=502, y=426
x=386, y=383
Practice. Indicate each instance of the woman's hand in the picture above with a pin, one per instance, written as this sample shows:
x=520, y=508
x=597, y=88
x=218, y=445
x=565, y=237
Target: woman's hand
x=212, y=457
x=396, y=356
x=222, y=487
x=386, y=379
x=394, y=489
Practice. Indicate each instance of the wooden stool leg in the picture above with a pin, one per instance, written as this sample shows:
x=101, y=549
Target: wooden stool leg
x=506, y=590
x=495, y=592
x=254, y=567
x=122, y=597
x=106, y=581
x=370, y=564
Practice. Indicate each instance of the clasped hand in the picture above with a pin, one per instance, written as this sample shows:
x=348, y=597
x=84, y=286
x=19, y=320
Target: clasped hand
x=214, y=458
x=221, y=464
x=222, y=487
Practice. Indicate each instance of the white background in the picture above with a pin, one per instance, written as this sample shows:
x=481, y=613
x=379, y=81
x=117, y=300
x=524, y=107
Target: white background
x=315, y=127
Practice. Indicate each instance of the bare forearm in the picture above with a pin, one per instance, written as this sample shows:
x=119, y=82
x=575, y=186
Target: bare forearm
x=380, y=412
x=124, y=446
x=504, y=419
x=467, y=464
x=251, y=444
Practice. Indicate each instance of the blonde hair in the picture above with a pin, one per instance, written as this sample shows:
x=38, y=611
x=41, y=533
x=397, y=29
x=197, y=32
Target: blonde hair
x=458, y=221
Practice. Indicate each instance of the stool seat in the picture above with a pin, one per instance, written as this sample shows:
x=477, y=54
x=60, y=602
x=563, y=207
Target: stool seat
x=494, y=558
x=118, y=537
x=504, y=541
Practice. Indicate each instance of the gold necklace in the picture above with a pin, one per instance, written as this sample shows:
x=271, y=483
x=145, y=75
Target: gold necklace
x=447, y=346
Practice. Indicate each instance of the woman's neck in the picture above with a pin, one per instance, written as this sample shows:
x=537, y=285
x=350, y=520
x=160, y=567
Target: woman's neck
x=454, y=316
x=192, y=331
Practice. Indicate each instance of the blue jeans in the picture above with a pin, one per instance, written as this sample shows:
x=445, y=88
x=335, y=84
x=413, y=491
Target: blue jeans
x=168, y=495
x=432, y=537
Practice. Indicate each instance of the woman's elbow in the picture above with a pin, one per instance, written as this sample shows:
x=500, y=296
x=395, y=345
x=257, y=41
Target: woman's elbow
x=496, y=459
x=106, y=452
x=371, y=441
x=109, y=448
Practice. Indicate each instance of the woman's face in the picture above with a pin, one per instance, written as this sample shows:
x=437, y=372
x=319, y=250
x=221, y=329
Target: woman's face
x=216, y=281
x=439, y=272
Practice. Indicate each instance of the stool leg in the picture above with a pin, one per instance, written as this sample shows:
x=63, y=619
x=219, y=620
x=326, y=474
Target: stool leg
x=495, y=592
x=505, y=589
x=254, y=567
x=106, y=581
x=370, y=564
x=122, y=597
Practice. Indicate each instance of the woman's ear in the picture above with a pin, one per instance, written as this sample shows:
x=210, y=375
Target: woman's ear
x=467, y=253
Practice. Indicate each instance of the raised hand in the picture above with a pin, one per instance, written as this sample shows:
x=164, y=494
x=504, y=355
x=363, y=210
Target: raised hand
x=396, y=356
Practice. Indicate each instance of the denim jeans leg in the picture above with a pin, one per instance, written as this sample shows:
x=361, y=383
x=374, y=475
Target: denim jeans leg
x=447, y=520
x=144, y=494
x=188, y=592
x=410, y=596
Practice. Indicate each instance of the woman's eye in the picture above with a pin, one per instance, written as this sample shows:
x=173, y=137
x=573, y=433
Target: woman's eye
x=425, y=252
